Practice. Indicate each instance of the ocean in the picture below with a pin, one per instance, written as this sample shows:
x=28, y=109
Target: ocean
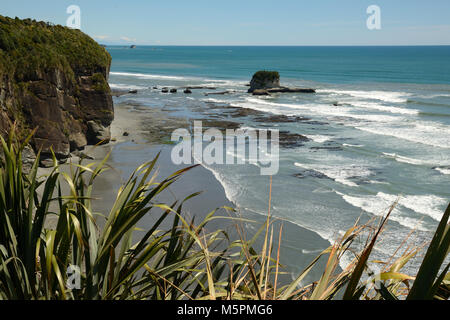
x=378, y=128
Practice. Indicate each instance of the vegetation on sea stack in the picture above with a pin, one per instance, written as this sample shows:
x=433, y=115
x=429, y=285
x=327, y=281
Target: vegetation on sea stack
x=266, y=76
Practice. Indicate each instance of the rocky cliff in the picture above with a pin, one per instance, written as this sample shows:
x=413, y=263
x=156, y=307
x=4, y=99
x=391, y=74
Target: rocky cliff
x=54, y=79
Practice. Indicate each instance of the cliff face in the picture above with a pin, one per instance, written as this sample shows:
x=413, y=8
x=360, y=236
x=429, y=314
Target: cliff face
x=54, y=79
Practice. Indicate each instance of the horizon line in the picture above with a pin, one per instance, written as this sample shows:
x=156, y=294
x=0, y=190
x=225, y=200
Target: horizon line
x=277, y=45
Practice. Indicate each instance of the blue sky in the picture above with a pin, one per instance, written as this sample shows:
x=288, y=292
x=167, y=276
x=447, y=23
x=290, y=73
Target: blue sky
x=248, y=22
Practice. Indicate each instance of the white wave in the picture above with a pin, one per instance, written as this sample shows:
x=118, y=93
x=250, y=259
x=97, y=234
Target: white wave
x=327, y=110
x=147, y=76
x=406, y=159
x=377, y=106
x=412, y=134
x=429, y=205
x=443, y=170
x=388, y=96
x=230, y=192
x=433, y=162
x=437, y=95
x=379, y=205
x=263, y=108
x=353, y=145
x=214, y=100
x=121, y=86
x=378, y=182
x=340, y=174
x=319, y=138
x=304, y=251
x=224, y=83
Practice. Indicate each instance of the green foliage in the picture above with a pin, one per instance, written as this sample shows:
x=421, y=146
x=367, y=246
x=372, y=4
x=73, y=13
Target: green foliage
x=34, y=257
x=264, y=75
x=28, y=46
x=99, y=83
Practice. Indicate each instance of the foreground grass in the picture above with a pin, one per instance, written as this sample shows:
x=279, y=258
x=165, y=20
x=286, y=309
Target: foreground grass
x=182, y=262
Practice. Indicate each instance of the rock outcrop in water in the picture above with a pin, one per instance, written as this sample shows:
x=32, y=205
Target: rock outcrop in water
x=264, y=80
x=54, y=79
x=267, y=82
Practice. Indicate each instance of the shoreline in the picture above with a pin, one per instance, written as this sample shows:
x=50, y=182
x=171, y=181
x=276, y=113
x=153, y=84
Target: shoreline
x=299, y=246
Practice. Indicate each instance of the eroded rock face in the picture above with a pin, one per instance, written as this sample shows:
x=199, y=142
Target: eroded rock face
x=64, y=111
x=68, y=101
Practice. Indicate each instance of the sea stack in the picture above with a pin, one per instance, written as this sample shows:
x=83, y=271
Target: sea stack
x=54, y=79
x=264, y=80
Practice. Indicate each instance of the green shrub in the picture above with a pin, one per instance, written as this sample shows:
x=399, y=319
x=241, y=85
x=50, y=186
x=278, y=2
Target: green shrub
x=262, y=76
x=100, y=83
x=32, y=45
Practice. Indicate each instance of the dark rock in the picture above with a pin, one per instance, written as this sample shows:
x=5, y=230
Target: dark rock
x=165, y=90
x=292, y=140
x=28, y=158
x=310, y=173
x=329, y=148
x=133, y=91
x=187, y=91
x=217, y=93
x=290, y=90
x=133, y=46
x=221, y=124
x=46, y=163
x=200, y=87
x=245, y=112
x=77, y=141
x=118, y=93
x=97, y=133
x=173, y=90
x=126, y=134
x=261, y=92
x=82, y=155
x=280, y=118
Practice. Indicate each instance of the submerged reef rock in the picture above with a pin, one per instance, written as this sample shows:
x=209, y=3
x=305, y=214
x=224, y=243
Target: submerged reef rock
x=54, y=79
